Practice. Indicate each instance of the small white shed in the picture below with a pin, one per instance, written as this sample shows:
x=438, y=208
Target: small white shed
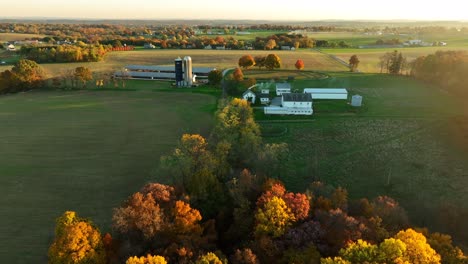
x=328, y=93
x=249, y=96
x=356, y=100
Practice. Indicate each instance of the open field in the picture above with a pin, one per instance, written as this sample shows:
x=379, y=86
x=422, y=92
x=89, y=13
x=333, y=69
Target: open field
x=369, y=58
x=401, y=143
x=202, y=58
x=17, y=36
x=84, y=151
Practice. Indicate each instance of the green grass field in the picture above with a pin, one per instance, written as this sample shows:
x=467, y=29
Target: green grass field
x=84, y=151
x=401, y=143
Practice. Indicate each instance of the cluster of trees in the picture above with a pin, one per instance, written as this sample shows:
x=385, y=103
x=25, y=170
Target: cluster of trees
x=226, y=203
x=445, y=68
x=394, y=41
x=332, y=44
x=65, y=53
x=270, y=62
x=25, y=75
x=393, y=63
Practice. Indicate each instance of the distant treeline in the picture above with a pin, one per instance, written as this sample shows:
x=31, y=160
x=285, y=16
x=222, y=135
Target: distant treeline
x=65, y=53
x=448, y=69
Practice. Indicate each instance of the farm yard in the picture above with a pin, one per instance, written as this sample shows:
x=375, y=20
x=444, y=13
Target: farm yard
x=400, y=144
x=59, y=147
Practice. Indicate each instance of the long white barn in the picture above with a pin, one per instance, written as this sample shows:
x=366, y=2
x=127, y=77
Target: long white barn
x=327, y=93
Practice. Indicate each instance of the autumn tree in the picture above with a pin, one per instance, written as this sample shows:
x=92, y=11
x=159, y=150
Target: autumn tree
x=196, y=169
x=271, y=44
x=76, y=241
x=299, y=64
x=244, y=256
x=272, y=61
x=353, y=63
x=260, y=61
x=418, y=251
x=209, y=258
x=246, y=61
x=149, y=259
x=238, y=75
x=215, y=77
x=236, y=126
x=83, y=75
x=25, y=75
x=274, y=218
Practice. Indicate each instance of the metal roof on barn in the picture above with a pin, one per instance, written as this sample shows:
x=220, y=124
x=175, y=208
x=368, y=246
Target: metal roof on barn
x=326, y=90
x=156, y=68
x=297, y=97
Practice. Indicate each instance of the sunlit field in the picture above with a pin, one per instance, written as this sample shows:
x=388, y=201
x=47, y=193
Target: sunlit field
x=83, y=151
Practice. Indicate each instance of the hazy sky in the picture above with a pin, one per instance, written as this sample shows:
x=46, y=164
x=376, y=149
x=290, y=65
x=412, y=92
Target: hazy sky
x=240, y=9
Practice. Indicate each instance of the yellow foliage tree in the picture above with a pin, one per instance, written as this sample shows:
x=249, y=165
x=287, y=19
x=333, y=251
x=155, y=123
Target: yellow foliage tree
x=274, y=218
x=149, y=259
x=335, y=260
x=77, y=243
x=418, y=251
x=209, y=258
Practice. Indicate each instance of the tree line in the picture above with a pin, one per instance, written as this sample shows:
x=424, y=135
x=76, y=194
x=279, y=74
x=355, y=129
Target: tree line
x=65, y=53
x=224, y=202
x=446, y=69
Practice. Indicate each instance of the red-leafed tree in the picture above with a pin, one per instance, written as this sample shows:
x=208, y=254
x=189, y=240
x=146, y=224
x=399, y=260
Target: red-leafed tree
x=299, y=64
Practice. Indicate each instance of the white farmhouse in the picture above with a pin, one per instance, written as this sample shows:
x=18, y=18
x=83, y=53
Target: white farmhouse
x=292, y=104
x=327, y=93
x=11, y=47
x=283, y=88
x=249, y=96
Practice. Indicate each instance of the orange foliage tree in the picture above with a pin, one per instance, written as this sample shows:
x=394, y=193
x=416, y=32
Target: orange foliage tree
x=76, y=241
x=149, y=259
x=238, y=75
x=299, y=64
x=246, y=61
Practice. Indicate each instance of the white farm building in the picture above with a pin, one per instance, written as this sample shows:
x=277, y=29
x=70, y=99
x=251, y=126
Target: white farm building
x=292, y=104
x=327, y=93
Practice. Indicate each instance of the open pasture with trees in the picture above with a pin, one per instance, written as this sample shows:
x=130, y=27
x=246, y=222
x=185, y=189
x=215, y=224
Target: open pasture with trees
x=400, y=144
x=201, y=58
x=85, y=151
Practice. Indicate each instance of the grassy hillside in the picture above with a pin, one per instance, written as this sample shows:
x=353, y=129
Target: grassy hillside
x=83, y=151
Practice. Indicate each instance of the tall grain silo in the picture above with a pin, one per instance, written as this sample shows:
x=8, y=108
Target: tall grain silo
x=179, y=72
x=188, y=77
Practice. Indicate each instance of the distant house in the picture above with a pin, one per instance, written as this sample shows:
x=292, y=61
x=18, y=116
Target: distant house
x=292, y=104
x=220, y=47
x=208, y=47
x=11, y=47
x=285, y=47
x=327, y=93
x=283, y=88
x=149, y=46
x=249, y=96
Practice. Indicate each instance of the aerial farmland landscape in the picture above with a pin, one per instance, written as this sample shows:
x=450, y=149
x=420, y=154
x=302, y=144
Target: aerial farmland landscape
x=333, y=134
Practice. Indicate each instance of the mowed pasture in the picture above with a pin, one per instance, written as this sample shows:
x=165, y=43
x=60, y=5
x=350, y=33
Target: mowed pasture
x=402, y=143
x=370, y=58
x=7, y=37
x=201, y=58
x=85, y=151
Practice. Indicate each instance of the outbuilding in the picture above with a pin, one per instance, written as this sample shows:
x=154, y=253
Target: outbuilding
x=249, y=96
x=328, y=93
x=283, y=88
